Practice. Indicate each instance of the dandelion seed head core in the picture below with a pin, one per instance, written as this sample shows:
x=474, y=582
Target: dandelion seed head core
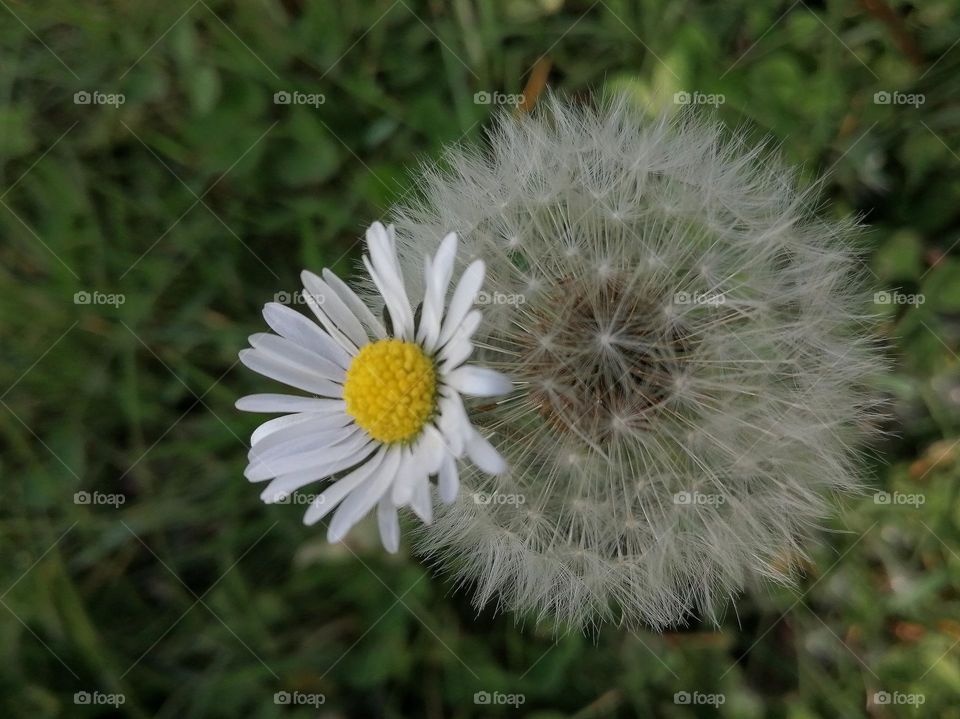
x=390, y=389
x=627, y=372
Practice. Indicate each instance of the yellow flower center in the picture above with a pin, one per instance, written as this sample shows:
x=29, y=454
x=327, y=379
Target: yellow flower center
x=390, y=389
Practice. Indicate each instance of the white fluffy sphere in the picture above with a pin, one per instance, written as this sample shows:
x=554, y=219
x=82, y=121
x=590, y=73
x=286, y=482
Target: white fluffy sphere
x=690, y=355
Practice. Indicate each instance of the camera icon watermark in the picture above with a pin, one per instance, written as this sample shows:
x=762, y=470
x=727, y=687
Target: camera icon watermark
x=298, y=298
x=710, y=299
x=884, y=97
x=884, y=698
x=914, y=500
x=497, y=498
x=685, y=97
x=499, y=699
x=696, y=498
x=99, y=499
x=296, y=698
x=500, y=298
x=483, y=97
x=699, y=699
x=888, y=297
x=85, y=97
x=286, y=97
x=297, y=498
x=83, y=297
x=96, y=698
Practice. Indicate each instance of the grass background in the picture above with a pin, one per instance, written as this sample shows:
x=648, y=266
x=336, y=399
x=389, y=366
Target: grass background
x=199, y=198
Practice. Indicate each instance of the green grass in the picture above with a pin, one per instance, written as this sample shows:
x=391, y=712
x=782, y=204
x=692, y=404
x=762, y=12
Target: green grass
x=198, y=199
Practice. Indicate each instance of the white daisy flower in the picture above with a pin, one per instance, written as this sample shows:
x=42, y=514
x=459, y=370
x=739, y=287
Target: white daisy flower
x=386, y=412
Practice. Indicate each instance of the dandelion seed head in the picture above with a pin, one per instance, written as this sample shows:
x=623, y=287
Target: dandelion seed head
x=689, y=355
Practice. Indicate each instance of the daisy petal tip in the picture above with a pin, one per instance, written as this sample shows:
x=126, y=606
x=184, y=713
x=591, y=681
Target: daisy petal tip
x=377, y=233
x=402, y=494
x=502, y=383
x=449, y=243
x=335, y=535
x=390, y=545
x=308, y=278
x=485, y=456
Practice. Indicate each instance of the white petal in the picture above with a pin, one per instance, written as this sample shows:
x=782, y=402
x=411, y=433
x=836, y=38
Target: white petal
x=305, y=332
x=281, y=487
x=422, y=503
x=431, y=449
x=408, y=472
x=401, y=316
x=384, y=269
x=437, y=275
x=288, y=403
x=277, y=424
x=469, y=325
x=334, y=494
x=274, y=466
x=431, y=311
x=478, y=381
x=355, y=304
x=364, y=497
x=453, y=422
x=334, y=308
x=448, y=481
x=311, y=432
x=456, y=352
x=463, y=298
x=389, y=525
x=382, y=248
x=443, y=260
x=295, y=440
x=292, y=375
x=284, y=484
x=292, y=353
x=315, y=300
x=482, y=454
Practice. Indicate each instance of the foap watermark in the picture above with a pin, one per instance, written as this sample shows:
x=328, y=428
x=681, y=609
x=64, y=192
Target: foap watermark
x=298, y=298
x=701, y=499
x=900, y=499
x=499, y=699
x=684, y=97
x=893, y=297
x=99, y=498
x=83, y=297
x=497, y=498
x=699, y=699
x=899, y=698
x=710, y=299
x=483, y=97
x=884, y=97
x=298, y=498
x=500, y=298
x=99, y=699
x=286, y=97
x=85, y=97
x=309, y=699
